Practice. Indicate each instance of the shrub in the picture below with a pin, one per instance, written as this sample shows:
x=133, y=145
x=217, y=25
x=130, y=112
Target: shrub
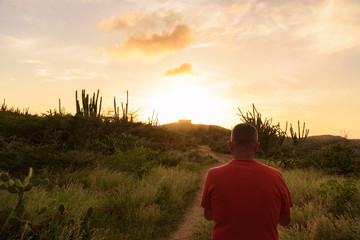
x=220, y=146
x=138, y=160
x=338, y=158
x=17, y=156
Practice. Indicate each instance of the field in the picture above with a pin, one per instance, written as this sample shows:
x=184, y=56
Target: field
x=96, y=177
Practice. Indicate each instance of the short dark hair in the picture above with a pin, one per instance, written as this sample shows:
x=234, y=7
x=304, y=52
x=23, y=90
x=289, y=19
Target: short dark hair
x=244, y=134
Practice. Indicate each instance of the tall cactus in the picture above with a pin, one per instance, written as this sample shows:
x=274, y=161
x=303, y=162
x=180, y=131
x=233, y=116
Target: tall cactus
x=154, y=121
x=60, y=109
x=78, y=110
x=282, y=134
x=268, y=132
x=116, y=109
x=125, y=109
x=300, y=135
x=127, y=115
x=90, y=106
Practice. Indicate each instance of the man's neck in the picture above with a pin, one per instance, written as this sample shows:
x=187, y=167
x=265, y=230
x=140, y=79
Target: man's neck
x=243, y=157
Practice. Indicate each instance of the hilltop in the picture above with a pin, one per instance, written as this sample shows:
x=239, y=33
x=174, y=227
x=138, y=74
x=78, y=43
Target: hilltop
x=188, y=125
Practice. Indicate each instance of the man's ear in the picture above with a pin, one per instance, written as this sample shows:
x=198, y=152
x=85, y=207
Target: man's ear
x=257, y=146
x=230, y=146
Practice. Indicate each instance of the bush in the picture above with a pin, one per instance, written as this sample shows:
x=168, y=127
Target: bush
x=18, y=156
x=221, y=146
x=138, y=160
x=338, y=158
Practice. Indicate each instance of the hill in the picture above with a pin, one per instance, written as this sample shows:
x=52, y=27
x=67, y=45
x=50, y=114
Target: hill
x=187, y=125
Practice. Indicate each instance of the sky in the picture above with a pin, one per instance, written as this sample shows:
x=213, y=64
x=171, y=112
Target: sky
x=199, y=60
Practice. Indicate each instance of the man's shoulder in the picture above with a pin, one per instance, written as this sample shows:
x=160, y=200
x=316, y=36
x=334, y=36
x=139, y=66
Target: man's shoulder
x=218, y=169
x=270, y=170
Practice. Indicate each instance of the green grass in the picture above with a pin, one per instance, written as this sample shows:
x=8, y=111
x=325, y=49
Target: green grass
x=315, y=216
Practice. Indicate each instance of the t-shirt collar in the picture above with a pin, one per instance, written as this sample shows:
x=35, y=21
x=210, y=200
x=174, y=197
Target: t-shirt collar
x=243, y=161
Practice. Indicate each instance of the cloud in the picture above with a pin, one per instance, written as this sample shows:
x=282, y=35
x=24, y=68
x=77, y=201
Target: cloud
x=154, y=46
x=185, y=68
x=333, y=26
x=121, y=23
x=322, y=26
x=31, y=61
x=43, y=72
x=139, y=22
x=17, y=43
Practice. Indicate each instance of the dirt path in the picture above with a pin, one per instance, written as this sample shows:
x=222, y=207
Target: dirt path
x=194, y=212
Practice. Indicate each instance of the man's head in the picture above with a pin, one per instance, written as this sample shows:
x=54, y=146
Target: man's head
x=244, y=140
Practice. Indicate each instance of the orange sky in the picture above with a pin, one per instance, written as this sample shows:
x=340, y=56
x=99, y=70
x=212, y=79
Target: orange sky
x=296, y=60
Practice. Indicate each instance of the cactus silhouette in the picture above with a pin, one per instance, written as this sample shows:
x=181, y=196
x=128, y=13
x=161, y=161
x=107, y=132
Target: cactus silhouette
x=301, y=135
x=154, y=120
x=269, y=133
x=127, y=115
x=90, y=106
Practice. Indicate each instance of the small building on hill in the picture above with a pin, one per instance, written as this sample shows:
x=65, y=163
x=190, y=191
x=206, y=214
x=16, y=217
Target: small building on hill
x=184, y=121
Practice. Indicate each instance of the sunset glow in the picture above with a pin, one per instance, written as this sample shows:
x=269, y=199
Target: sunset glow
x=198, y=60
x=183, y=98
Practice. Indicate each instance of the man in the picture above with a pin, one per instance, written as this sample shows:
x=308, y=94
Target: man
x=245, y=198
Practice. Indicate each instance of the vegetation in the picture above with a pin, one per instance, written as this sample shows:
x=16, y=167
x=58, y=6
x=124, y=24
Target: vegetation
x=100, y=170
x=335, y=155
x=90, y=108
x=15, y=216
x=198, y=134
x=271, y=136
x=301, y=135
x=92, y=170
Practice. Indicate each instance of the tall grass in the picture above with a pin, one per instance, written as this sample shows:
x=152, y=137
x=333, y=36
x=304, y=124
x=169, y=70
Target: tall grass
x=125, y=206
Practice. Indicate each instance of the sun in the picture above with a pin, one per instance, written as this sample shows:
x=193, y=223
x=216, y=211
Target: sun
x=186, y=97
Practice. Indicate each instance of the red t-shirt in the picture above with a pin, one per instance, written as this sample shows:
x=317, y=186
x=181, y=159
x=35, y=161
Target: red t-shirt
x=247, y=198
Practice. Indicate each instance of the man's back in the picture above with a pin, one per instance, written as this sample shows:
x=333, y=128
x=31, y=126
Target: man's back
x=246, y=198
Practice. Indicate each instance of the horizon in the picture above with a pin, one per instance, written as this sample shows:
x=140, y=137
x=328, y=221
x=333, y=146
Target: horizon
x=144, y=120
x=176, y=58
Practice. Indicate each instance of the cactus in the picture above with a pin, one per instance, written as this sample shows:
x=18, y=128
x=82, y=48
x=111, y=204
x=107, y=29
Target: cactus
x=84, y=225
x=127, y=115
x=154, y=121
x=116, y=109
x=282, y=134
x=126, y=108
x=78, y=110
x=300, y=135
x=90, y=106
x=60, y=107
x=16, y=215
x=4, y=106
x=269, y=133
